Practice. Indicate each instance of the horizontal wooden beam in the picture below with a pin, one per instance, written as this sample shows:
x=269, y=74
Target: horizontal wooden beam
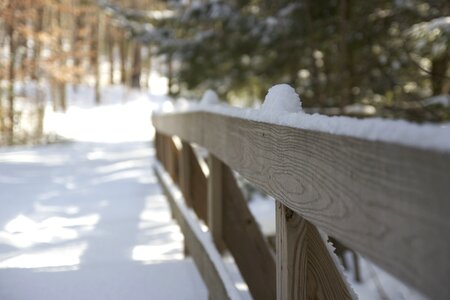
x=200, y=246
x=389, y=202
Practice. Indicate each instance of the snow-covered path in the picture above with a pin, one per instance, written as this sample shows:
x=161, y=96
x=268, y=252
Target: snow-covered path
x=87, y=219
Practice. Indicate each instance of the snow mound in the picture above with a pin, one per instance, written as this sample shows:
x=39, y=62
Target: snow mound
x=210, y=98
x=280, y=99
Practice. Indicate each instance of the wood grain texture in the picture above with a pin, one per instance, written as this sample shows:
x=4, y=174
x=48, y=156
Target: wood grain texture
x=184, y=167
x=169, y=155
x=173, y=155
x=246, y=243
x=305, y=269
x=199, y=187
x=388, y=202
x=163, y=156
x=157, y=144
x=215, y=200
x=206, y=258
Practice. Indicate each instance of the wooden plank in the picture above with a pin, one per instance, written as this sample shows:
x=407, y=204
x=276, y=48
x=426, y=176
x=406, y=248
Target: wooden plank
x=166, y=151
x=215, y=199
x=184, y=167
x=199, y=187
x=156, y=142
x=161, y=147
x=184, y=179
x=305, y=269
x=386, y=201
x=173, y=159
x=204, y=254
x=246, y=243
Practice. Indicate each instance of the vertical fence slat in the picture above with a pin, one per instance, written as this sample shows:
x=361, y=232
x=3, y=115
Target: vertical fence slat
x=215, y=198
x=246, y=242
x=184, y=179
x=173, y=154
x=184, y=168
x=199, y=186
x=305, y=268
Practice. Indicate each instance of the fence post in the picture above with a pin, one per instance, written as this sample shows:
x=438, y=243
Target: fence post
x=165, y=151
x=305, y=268
x=184, y=179
x=184, y=168
x=172, y=159
x=215, y=198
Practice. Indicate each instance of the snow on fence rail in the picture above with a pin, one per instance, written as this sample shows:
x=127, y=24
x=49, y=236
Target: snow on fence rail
x=387, y=201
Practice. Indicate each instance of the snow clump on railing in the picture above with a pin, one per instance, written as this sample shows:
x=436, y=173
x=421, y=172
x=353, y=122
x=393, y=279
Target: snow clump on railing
x=210, y=98
x=281, y=99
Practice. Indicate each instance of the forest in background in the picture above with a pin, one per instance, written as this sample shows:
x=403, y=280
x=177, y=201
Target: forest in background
x=361, y=58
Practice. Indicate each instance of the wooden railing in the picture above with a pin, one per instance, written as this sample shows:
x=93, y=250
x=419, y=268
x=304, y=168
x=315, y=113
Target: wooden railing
x=389, y=202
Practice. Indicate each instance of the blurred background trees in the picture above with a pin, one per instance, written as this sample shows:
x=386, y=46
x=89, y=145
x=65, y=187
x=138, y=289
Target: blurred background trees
x=343, y=57
x=359, y=58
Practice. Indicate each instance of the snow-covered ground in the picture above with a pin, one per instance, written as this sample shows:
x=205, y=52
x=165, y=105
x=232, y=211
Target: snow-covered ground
x=87, y=219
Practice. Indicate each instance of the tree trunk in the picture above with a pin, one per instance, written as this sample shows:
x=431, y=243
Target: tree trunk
x=61, y=92
x=78, y=41
x=2, y=120
x=59, y=84
x=54, y=93
x=438, y=74
x=346, y=52
x=136, y=66
x=95, y=49
x=148, y=65
x=123, y=47
x=37, y=43
x=110, y=44
x=170, y=75
x=12, y=77
x=40, y=112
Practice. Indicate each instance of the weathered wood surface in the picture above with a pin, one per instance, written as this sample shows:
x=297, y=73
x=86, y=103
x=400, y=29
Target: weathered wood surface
x=199, y=187
x=305, y=269
x=389, y=202
x=173, y=153
x=215, y=200
x=206, y=257
x=184, y=168
x=247, y=244
x=157, y=144
x=163, y=155
x=167, y=153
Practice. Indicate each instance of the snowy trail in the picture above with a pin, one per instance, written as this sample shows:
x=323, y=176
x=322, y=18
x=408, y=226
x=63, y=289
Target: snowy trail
x=87, y=219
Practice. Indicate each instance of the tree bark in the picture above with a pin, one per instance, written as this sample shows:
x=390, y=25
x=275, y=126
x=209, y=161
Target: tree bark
x=59, y=84
x=346, y=52
x=137, y=66
x=77, y=47
x=123, y=49
x=110, y=44
x=95, y=55
x=37, y=43
x=12, y=75
x=438, y=74
x=170, y=75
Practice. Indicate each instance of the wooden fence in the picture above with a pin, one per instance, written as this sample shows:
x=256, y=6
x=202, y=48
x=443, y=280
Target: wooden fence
x=389, y=202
